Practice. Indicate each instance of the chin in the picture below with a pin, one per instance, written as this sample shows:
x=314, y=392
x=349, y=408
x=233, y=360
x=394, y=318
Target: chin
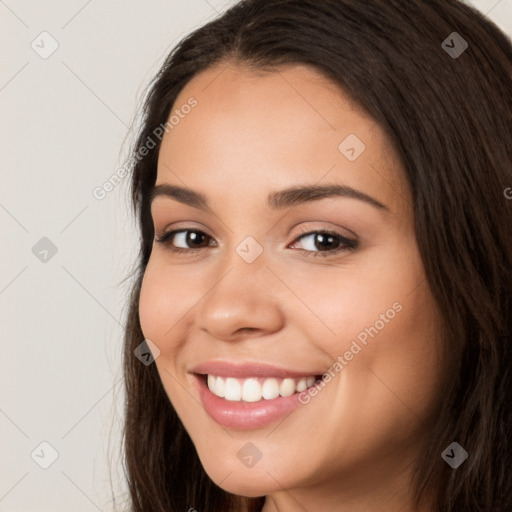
x=249, y=487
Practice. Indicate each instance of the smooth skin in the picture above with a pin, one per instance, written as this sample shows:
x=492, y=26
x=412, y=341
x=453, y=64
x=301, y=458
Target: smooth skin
x=251, y=134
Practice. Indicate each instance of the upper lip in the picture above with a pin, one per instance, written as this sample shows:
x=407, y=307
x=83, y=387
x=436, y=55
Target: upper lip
x=247, y=369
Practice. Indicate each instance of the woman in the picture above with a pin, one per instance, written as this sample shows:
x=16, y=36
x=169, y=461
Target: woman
x=325, y=268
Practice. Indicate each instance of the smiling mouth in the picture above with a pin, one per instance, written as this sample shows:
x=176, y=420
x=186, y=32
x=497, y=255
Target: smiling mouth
x=256, y=389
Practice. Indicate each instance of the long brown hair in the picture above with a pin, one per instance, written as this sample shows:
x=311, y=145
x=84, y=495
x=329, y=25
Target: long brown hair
x=450, y=119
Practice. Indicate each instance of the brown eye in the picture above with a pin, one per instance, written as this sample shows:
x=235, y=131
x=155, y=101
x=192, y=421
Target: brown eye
x=184, y=239
x=325, y=243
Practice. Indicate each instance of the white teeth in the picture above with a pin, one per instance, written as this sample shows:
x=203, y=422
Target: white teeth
x=232, y=389
x=251, y=391
x=216, y=385
x=302, y=385
x=255, y=389
x=287, y=387
x=270, y=389
x=219, y=387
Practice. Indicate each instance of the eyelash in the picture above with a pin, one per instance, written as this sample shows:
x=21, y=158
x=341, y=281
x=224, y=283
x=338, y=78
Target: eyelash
x=346, y=243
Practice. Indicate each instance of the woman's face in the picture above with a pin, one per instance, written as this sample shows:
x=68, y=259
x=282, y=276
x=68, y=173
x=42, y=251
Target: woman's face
x=264, y=300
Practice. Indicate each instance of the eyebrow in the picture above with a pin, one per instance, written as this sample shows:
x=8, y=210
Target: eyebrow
x=276, y=200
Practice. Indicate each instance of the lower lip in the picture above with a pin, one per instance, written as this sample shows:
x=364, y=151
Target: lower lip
x=245, y=415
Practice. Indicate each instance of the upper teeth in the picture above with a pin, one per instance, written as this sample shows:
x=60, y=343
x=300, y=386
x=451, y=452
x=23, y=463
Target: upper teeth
x=254, y=389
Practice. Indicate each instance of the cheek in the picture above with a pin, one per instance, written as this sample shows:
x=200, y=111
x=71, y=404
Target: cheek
x=161, y=305
x=151, y=304
x=364, y=295
x=385, y=334
x=392, y=367
x=162, y=308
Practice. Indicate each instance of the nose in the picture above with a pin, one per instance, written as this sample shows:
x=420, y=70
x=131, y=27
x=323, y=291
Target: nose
x=241, y=302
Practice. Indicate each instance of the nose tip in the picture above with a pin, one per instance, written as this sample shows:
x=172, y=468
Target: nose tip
x=240, y=304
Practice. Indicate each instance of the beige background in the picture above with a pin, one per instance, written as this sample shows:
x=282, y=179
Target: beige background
x=64, y=119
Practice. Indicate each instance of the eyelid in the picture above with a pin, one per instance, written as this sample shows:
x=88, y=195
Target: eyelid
x=181, y=226
x=309, y=230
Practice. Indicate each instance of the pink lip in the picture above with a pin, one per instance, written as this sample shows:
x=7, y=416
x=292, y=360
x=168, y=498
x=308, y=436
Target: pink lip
x=245, y=415
x=245, y=370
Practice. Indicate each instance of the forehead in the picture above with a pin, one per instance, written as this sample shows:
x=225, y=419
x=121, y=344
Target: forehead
x=256, y=130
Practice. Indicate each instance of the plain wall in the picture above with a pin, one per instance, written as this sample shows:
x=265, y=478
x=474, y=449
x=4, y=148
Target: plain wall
x=65, y=131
